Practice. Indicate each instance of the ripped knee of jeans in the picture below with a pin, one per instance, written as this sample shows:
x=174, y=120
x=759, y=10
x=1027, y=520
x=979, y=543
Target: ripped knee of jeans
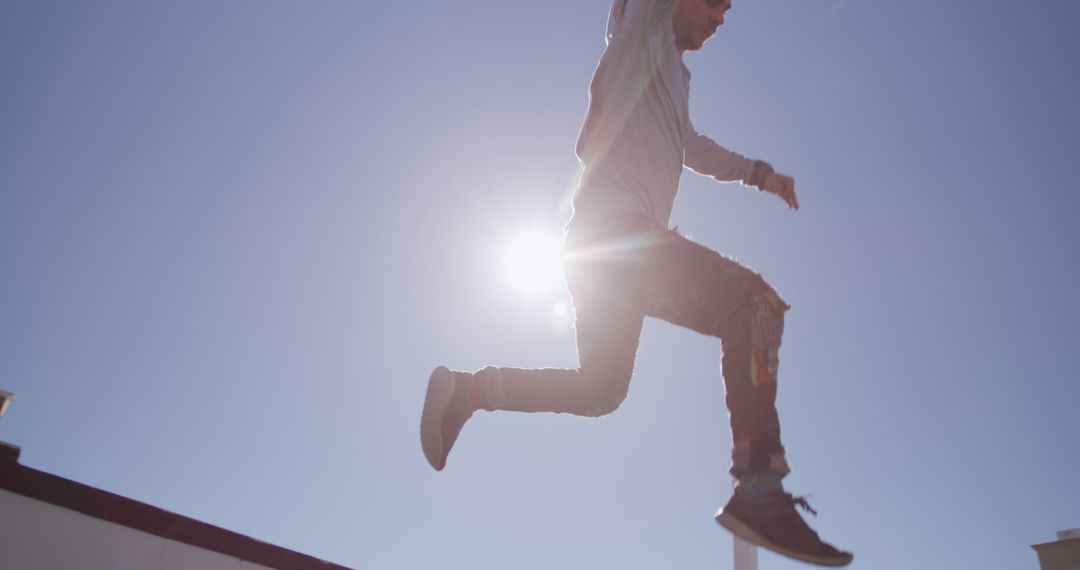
x=766, y=329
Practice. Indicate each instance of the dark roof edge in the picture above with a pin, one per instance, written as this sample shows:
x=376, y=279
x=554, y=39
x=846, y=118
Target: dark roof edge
x=113, y=508
x=1068, y=542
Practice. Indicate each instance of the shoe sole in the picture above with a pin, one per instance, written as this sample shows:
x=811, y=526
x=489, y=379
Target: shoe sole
x=736, y=527
x=440, y=388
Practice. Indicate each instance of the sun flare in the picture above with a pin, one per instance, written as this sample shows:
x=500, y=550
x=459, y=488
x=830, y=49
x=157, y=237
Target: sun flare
x=532, y=263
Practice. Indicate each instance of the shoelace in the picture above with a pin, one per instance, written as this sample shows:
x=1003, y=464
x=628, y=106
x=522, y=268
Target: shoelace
x=801, y=501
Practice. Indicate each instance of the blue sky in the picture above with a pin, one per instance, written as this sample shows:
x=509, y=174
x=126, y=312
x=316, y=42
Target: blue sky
x=237, y=236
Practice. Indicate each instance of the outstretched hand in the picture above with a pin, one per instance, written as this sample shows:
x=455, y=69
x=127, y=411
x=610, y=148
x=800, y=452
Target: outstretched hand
x=783, y=186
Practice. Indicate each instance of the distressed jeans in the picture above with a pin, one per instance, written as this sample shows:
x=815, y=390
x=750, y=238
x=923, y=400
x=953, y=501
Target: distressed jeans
x=622, y=270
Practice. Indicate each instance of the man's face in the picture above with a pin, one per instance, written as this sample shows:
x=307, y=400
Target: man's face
x=696, y=21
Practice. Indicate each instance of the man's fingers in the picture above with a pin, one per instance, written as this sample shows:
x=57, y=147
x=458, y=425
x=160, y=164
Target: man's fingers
x=789, y=192
x=784, y=187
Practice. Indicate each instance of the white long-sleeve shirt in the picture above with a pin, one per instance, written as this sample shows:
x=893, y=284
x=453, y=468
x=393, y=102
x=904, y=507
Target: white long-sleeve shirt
x=637, y=134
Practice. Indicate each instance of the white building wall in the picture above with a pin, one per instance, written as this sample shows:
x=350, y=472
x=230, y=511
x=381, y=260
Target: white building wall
x=35, y=535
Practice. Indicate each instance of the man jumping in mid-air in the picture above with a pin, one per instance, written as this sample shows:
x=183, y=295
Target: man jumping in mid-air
x=622, y=263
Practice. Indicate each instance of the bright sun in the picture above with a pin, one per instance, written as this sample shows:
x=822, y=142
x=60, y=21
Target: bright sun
x=532, y=263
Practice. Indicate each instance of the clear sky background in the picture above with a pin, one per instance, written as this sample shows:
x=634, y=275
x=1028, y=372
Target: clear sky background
x=236, y=236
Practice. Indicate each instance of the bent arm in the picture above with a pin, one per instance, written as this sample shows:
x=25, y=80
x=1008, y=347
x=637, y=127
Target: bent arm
x=636, y=18
x=704, y=156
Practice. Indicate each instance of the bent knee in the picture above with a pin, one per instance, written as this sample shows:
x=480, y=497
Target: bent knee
x=768, y=303
x=766, y=330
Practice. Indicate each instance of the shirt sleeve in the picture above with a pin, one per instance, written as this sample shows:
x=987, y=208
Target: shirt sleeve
x=704, y=156
x=638, y=19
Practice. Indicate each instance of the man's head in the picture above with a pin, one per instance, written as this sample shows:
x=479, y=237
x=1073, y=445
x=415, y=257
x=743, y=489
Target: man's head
x=696, y=21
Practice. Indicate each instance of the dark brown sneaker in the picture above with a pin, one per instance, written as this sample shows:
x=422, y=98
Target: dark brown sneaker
x=772, y=522
x=446, y=409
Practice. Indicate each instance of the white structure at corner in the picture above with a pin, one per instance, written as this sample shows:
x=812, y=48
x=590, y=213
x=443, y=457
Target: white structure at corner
x=38, y=536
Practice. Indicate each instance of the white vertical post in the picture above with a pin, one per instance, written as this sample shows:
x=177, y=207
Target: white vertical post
x=745, y=553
